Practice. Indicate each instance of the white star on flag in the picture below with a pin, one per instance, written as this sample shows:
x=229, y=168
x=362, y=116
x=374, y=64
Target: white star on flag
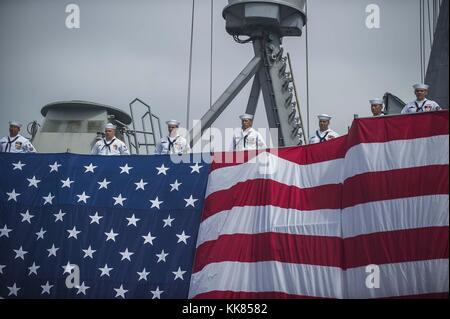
x=143, y=275
x=59, y=216
x=162, y=170
x=196, y=168
x=20, y=253
x=105, y=271
x=54, y=167
x=82, y=289
x=88, y=252
x=66, y=183
x=104, y=184
x=149, y=239
x=157, y=293
x=182, y=238
x=52, y=251
x=120, y=292
x=5, y=231
x=111, y=235
x=48, y=199
x=162, y=256
x=83, y=198
x=73, y=233
x=27, y=217
x=13, y=290
x=33, y=182
x=33, y=269
x=179, y=273
x=90, y=168
x=40, y=234
x=190, y=201
x=1, y=268
x=126, y=254
x=13, y=195
x=18, y=166
x=175, y=186
x=125, y=169
x=156, y=202
x=141, y=185
x=133, y=220
x=119, y=200
x=95, y=218
x=46, y=288
x=68, y=268
x=168, y=221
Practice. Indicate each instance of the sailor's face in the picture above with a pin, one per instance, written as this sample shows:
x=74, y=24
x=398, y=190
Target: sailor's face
x=324, y=124
x=421, y=94
x=246, y=124
x=13, y=130
x=172, y=129
x=376, y=109
x=110, y=133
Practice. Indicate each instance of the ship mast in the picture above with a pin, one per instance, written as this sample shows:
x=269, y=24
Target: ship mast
x=263, y=23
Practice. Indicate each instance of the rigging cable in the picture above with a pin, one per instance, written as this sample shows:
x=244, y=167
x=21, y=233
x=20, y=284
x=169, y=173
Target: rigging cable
x=430, y=31
x=421, y=41
x=211, y=70
x=190, y=66
x=307, y=73
x=211, y=54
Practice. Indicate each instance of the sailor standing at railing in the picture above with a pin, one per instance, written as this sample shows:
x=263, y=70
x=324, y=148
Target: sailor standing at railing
x=324, y=133
x=174, y=143
x=421, y=104
x=247, y=138
x=376, y=106
x=15, y=143
x=110, y=144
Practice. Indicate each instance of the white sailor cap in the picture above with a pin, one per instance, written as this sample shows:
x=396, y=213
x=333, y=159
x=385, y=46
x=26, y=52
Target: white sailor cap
x=110, y=126
x=15, y=123
x=421, y=86
x=324, y=117
x=376, y=101
x=173, y=122
x=246, y=117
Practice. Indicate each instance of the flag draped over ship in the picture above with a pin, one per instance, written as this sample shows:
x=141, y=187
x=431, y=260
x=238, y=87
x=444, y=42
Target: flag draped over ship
x=362, y=216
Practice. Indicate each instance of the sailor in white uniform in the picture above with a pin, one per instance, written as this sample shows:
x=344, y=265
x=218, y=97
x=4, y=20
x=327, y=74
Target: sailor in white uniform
x=247, y=138
x=14, y=142
x=376, y=106
x=324, y=133
x=421, y=104
x=174, y=143
x=110, y=145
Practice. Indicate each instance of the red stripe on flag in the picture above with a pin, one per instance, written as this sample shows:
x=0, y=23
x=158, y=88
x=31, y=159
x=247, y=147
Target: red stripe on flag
x=403, y=183
x=262, y=192
x=299, y=249
x=306, y=155
x=367, y=130
x=397, y=246
x=379, y=248
x=401, y=127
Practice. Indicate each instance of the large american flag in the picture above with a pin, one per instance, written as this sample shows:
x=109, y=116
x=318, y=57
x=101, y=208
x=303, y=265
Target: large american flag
x=301, y=222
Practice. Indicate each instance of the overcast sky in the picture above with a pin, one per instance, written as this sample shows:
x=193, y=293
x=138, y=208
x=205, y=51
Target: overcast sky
x=140, y=48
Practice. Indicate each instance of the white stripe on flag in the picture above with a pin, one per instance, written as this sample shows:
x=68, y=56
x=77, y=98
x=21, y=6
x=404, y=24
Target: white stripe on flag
x=263, y=219
x=362, y=158
x=399, y=279
x=379, y=157
x=398, y=214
